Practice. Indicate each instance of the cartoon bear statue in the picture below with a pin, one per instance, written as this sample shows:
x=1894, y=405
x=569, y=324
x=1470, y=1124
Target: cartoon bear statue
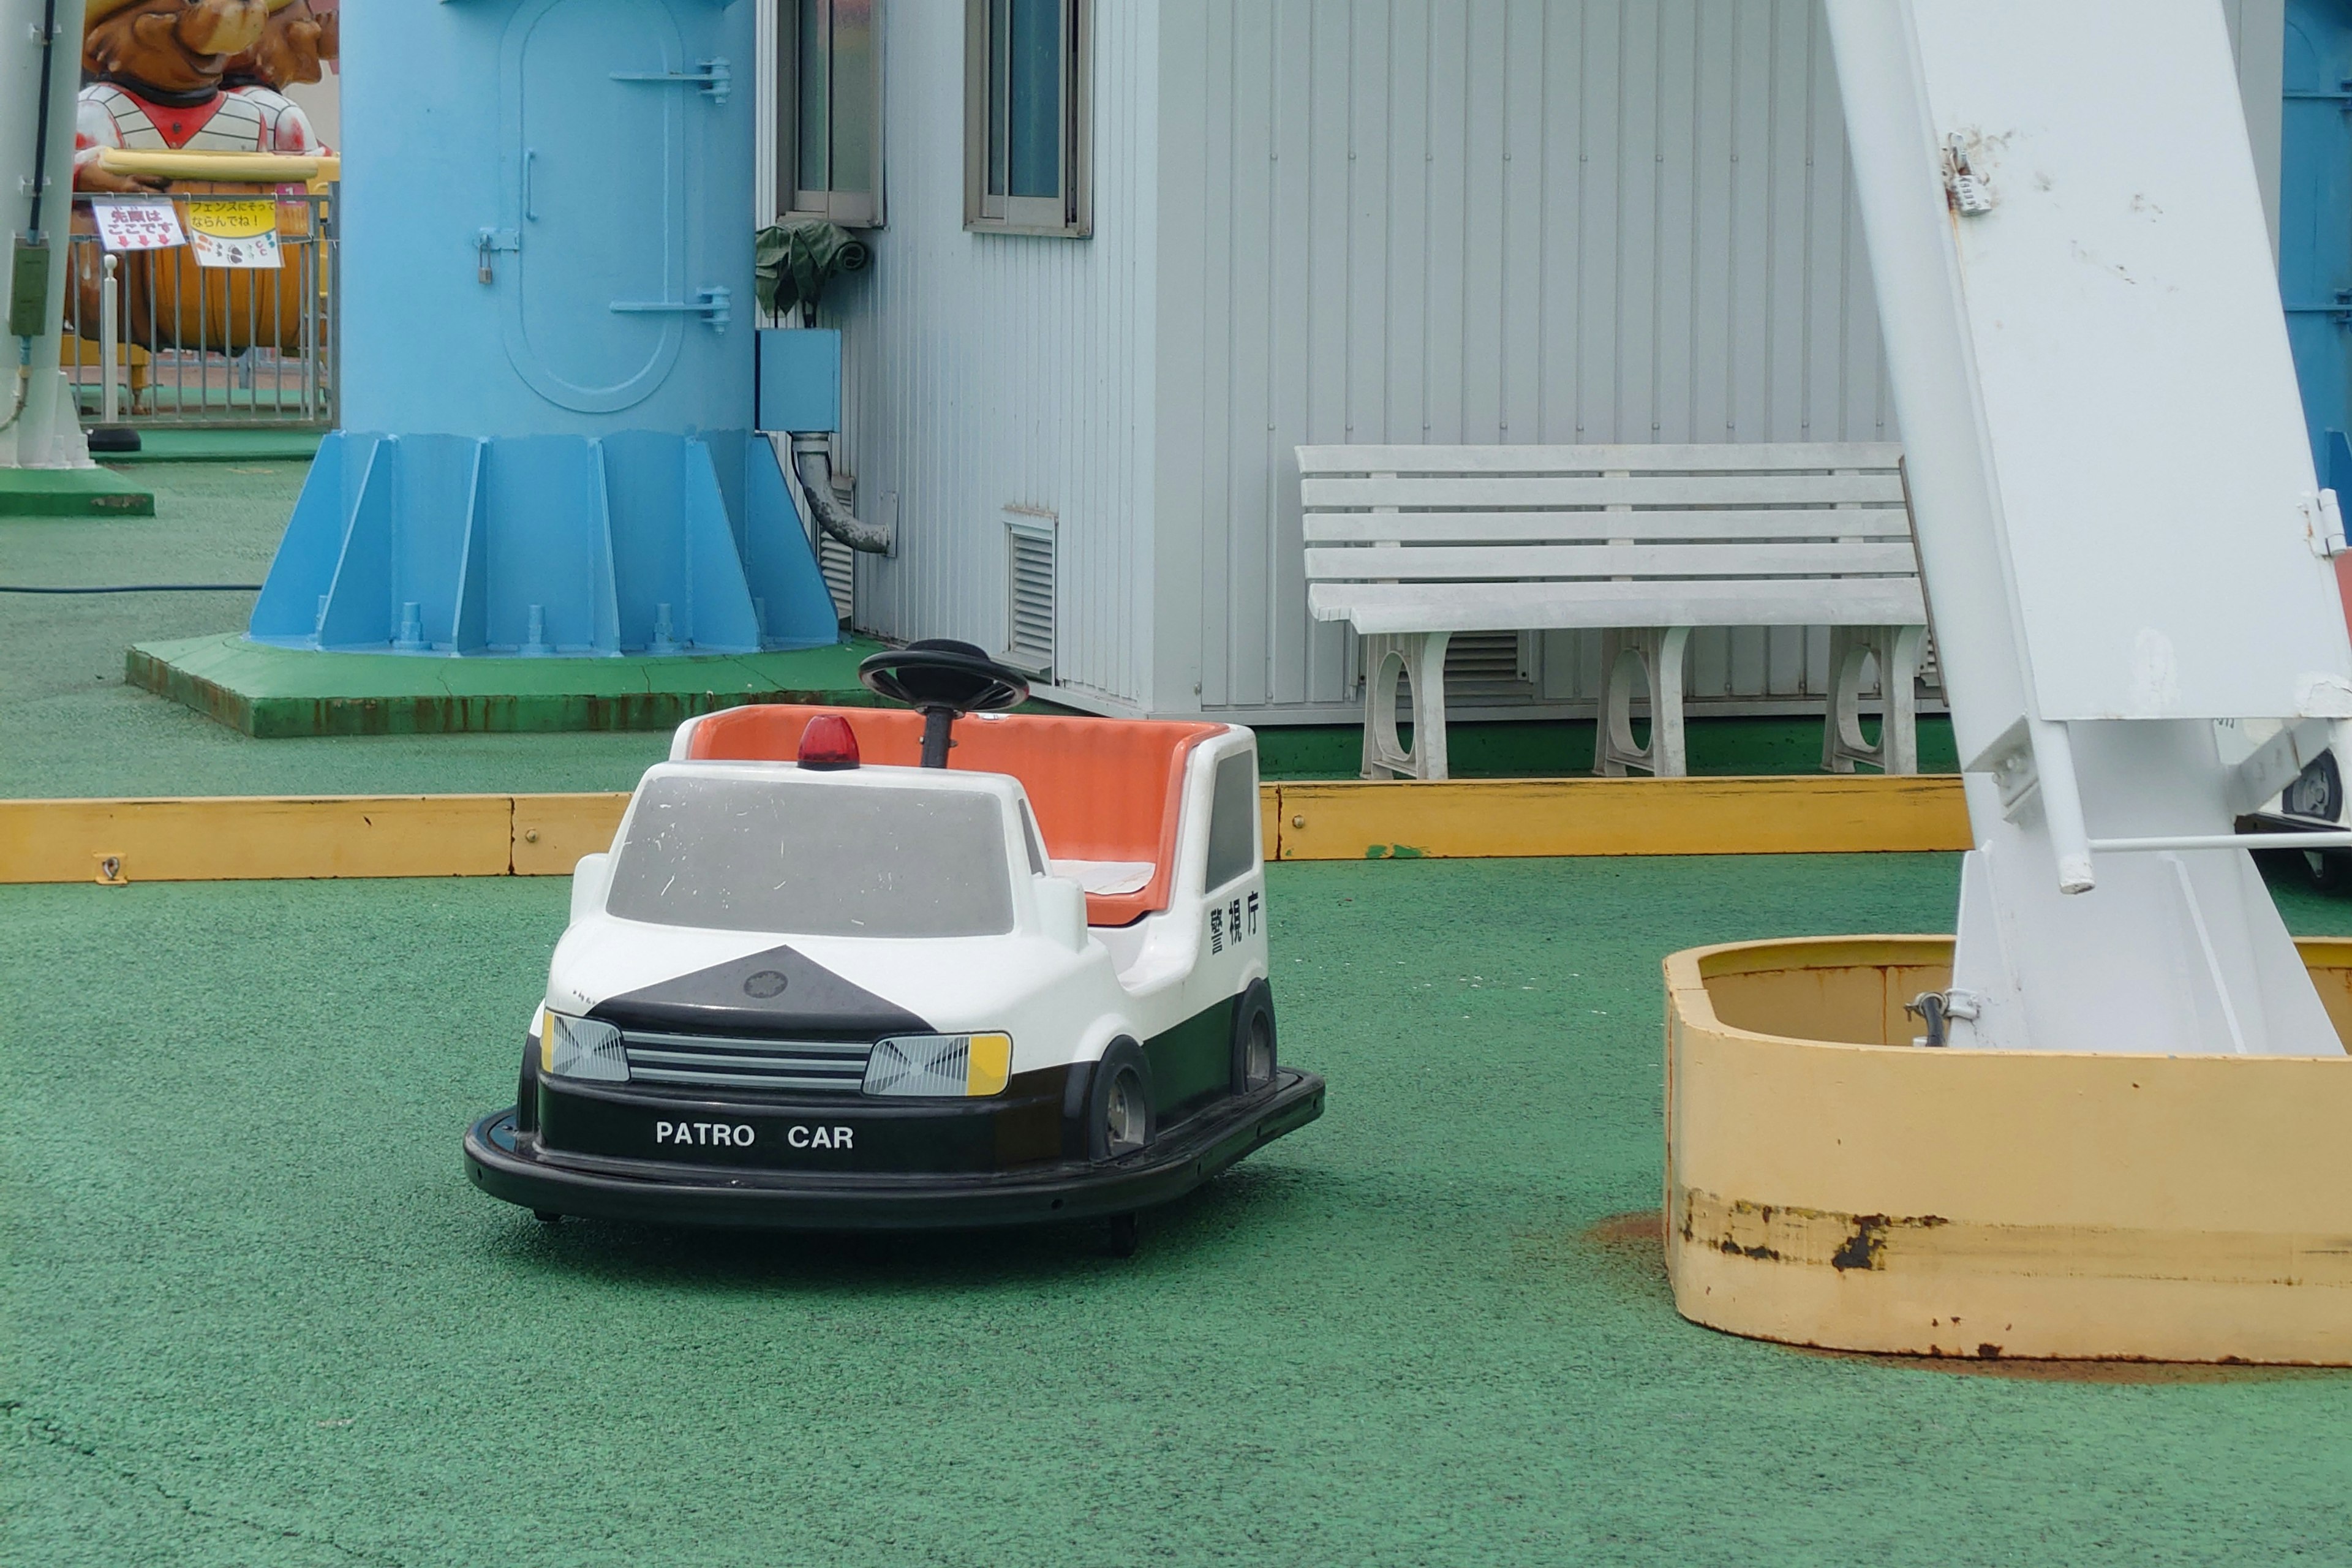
x=155, y=70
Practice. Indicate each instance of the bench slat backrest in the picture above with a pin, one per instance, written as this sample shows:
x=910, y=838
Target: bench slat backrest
x=1642, y=525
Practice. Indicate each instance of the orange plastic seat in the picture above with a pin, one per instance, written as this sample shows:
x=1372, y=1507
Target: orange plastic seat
x=1102, y=789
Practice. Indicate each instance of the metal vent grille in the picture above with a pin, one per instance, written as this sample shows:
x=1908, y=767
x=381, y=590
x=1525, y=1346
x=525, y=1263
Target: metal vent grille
x=1029, y=594
x=838, y=563
x=1486, y=664
x=718, y=1061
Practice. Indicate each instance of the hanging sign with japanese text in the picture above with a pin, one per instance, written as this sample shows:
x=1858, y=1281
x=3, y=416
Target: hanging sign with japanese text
x=136, y=223
x=236, y=232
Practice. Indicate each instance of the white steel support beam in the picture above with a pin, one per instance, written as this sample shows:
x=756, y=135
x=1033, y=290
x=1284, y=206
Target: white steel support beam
x=2073, y=279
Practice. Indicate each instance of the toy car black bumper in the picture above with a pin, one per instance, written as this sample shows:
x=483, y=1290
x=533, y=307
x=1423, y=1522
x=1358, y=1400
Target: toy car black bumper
x=511, y=1165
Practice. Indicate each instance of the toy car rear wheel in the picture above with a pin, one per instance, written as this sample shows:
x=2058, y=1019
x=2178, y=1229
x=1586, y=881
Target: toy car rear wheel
x=1254, y=1039
x=1120, y=1119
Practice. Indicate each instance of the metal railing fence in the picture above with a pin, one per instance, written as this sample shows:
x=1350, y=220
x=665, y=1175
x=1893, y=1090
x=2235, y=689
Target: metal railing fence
x=192, y=346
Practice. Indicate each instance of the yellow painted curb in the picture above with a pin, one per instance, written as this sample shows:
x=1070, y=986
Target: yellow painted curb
x=1825, y=1187
x=236, y=837
x=233, y=838
x=1768, y=815
x=552, y=831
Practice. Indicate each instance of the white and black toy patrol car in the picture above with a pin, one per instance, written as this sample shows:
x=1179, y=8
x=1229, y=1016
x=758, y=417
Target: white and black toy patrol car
x=814, y=985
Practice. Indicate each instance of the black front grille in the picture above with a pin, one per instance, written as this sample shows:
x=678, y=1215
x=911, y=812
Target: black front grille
x=724, y=1061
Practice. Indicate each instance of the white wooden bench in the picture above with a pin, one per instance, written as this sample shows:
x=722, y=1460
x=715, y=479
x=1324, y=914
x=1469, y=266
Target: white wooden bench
x=1413, y=544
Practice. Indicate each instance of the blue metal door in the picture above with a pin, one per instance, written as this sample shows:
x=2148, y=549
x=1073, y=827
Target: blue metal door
x=596, y=186
x=2316, y=218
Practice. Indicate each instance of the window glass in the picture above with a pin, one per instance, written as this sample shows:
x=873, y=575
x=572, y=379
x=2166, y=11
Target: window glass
x=829, y=126
x=854, y=77
x=1233, y=820
x=1033, y=90
x=808, y=859
x=814, y=97
x=999, y=53
x=1027, y=122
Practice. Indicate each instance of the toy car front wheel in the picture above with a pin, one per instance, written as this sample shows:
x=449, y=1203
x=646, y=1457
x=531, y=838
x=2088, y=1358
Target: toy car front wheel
x=1254, y=1051
x=1127, y=1116
x=1121, y=1120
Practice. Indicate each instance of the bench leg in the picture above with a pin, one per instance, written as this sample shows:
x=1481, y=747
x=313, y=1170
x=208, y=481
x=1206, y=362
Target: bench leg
x=1418, y=659
x=1899, y=739
x=1659, y=652
x=1897, y=650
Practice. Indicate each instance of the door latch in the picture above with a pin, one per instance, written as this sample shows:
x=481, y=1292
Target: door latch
x=488, y=240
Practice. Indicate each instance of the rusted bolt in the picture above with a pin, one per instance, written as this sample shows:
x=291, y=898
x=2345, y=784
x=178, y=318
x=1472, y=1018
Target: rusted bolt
x=1297, y=822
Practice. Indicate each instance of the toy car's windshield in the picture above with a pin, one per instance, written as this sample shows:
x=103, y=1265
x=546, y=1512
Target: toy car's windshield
x=813, y=860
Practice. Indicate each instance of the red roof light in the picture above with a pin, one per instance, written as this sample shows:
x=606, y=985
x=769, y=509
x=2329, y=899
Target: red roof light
x=828, y=743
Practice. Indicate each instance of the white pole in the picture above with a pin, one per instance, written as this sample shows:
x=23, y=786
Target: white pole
x=108, y=339
x=45, y=433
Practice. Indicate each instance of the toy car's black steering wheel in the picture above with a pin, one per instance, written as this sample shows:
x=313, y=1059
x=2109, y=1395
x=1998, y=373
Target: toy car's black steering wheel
x=946, y=680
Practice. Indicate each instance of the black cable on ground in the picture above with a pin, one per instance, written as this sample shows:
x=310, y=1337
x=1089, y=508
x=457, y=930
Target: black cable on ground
x=146, y=588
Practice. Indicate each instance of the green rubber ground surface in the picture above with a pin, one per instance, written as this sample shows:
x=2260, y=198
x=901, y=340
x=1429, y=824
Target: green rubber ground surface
x=256, y=1316
x=69, y=725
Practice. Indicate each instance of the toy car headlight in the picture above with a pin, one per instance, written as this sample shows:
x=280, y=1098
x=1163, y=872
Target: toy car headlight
x=580, y=1048
x=940, y=1065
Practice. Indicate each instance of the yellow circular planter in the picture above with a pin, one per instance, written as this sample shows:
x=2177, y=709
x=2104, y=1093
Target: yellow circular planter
x=1829, y=1183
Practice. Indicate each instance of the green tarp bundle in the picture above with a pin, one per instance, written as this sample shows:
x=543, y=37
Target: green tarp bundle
x=796, y=260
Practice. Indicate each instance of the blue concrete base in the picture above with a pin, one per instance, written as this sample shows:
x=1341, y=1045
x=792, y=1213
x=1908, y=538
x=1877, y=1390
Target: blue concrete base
x=636, y=543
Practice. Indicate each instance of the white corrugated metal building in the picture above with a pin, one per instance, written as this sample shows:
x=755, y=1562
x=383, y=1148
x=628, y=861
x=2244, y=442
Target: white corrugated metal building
x=1277, y=222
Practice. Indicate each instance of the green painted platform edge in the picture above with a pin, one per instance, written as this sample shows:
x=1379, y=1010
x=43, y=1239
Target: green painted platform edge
x=72, y=492
x=214, y=445
x=273, y=693
x=1722, y=745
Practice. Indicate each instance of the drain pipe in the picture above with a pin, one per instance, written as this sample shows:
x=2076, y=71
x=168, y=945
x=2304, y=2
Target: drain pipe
x=812, y=465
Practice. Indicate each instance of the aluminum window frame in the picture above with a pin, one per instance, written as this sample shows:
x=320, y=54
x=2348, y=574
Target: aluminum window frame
x=1070, y=215
x=850, y=209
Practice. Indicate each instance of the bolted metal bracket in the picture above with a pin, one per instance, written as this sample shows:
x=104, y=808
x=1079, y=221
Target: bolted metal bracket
x=714, y=77
x=1970, y=196
x=1937, y=1008
x=715, y=305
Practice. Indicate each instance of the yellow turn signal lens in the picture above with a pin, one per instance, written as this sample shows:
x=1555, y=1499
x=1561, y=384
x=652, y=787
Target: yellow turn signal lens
x=991, y=1063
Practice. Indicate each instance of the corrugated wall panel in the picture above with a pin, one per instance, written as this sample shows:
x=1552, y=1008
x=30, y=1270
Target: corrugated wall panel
x=1352, y=220
x=987, y=372
x=1494, y=221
